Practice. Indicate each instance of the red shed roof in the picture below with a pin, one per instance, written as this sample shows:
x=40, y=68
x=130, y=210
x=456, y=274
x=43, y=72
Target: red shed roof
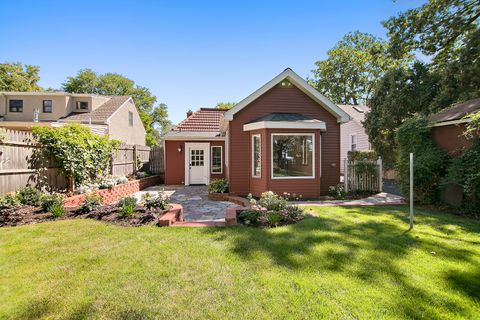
x=203, y=120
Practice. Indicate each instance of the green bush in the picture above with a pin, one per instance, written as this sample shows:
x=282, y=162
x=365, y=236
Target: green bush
x=127, y=206
x=49, y=200
x=337, y=191
x=465, y=171
x=429, y=162
x=29, y=196
x=272, y=201
x=57, y=210
x=272, y=218
x=155, y=202
x=8, y=201
x=250, y=217
x=92, y=200
x=218, y=186
x=362, y=155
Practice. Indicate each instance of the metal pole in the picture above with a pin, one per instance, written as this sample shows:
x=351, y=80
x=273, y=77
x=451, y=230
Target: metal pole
x=380, y=173
x=411, y=190
x=345, y=174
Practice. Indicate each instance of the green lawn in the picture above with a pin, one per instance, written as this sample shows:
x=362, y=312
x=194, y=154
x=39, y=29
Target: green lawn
x=344, y=263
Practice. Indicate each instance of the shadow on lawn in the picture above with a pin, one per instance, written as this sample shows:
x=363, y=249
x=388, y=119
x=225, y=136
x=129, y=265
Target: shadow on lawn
x=370, y=248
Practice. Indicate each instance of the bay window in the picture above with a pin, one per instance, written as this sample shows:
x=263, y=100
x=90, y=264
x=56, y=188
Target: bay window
x=256, y=156
x=293, y=155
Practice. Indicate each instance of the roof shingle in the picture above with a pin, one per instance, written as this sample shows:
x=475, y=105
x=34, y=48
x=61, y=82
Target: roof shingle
x=102, y=113
x=457, y=111
x=203, y=120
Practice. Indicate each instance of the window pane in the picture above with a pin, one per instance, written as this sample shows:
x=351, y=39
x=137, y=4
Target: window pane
x=47, y=106
x=292, y=156
x=257, y=157
x=15, y=105
x=216, y=159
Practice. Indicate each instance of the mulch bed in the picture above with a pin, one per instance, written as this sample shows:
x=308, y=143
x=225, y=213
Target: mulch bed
x=20, y=215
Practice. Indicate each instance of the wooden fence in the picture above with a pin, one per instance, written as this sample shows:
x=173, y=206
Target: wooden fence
x=18, y=168
x=363, y=175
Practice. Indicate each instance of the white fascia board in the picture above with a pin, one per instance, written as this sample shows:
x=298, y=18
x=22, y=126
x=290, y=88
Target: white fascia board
x=303, y=85
x=192, y=138
x=452, y=122
x=316, y=125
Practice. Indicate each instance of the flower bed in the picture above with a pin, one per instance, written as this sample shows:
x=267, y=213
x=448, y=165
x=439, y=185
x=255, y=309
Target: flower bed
x=116, y=192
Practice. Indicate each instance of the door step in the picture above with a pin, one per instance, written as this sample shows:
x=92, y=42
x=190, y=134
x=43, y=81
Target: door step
x=196, y=224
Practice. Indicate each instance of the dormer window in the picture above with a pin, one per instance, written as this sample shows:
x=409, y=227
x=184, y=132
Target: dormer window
x=82, y=105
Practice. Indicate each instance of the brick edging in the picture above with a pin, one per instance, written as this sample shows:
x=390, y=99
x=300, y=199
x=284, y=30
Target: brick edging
x=114, y=194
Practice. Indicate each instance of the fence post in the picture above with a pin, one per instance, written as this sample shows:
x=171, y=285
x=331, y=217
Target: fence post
x=134, y=159
x=411, y=190
x=345, y=174
x=380, y=174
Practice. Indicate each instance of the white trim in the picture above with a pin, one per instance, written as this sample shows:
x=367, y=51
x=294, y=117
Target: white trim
x=253, y=153
x=304, y=124
x=447, y=123
x=118, y=109
x=221, y=159
x=303, y=85
x=313, y=155
x=206, y=159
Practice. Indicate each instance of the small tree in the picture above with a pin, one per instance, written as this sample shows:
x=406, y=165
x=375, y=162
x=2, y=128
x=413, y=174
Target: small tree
x=79, y=154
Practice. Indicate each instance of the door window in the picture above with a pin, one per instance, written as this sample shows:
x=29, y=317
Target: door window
x=196, y=158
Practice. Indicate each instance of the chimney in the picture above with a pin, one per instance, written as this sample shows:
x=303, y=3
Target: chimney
x=189, y=113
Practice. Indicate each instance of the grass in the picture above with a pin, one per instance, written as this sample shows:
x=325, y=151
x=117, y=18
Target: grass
x=343, y=263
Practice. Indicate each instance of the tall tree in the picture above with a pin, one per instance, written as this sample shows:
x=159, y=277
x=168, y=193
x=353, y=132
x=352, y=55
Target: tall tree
x=19, y=77
x=433, y=28
x=154, y=117
x=225, y=105
x=352, y=69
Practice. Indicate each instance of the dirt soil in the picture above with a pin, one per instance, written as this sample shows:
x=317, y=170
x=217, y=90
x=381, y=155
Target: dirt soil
x=20, y=215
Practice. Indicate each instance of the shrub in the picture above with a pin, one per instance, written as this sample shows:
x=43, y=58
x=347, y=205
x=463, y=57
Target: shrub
x=429, y=162
x=362, y=155
x=337, y=191
x=273, y=218
x=218, y=186
x=272, y=202
x=291, y=214
x=250, y=217
x=57, y=210
x=155, y=202
x=127, y=206
x=107, y=183
x=120, y=180
x=92, y=200
x=29, y=196
x=465, y=171
x=8, y=201
x=141, y=175
x=49, y=200
x=259, y=218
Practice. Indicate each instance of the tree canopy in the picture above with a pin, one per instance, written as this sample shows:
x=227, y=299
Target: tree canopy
x=352, y=69
x=154, y=116
x=19, y=77
x=225, y=105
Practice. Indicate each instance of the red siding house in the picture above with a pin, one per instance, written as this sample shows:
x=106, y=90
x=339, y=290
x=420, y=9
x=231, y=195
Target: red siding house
x=284, y=137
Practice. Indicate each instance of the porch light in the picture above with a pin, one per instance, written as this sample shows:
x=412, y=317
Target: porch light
x=179, y=149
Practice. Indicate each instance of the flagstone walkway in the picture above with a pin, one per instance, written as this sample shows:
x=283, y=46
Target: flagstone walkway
x=194, y=199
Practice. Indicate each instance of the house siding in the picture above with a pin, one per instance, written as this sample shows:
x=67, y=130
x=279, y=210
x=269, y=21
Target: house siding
x=119, y=129
x=283, y=99
x=450, y=138
x=346, y=130
x=175, y=161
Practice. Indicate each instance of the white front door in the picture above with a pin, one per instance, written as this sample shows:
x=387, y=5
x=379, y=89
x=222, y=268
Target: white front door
x=197, y=162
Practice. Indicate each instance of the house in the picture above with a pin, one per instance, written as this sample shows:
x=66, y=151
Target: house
x=115, y=116
x=352, y=134
x=448, y=126
x=283, y=137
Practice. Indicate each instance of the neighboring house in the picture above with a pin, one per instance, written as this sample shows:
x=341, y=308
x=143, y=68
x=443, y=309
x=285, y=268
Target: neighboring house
x=352, y=134
x=116, y=116
x=284, y=137
x=448, y=126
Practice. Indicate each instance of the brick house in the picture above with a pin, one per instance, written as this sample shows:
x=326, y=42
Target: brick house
x=283, y=137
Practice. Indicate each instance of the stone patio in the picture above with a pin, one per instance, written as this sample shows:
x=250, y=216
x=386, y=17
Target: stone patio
x=194, y=199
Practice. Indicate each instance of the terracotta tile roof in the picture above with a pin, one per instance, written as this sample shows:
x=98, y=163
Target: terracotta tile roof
x=203, y=120
x=457, y=111
x=102, y=113
x=356, y=112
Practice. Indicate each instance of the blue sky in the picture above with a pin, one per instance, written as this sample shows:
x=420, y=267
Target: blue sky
x=190, y=54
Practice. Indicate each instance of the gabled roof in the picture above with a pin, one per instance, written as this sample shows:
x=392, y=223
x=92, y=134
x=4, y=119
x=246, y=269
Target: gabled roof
x=303, y=85
x=101, y=114
x=456, y=112
x=282, y=116
x=203, y=120
x=357, y=113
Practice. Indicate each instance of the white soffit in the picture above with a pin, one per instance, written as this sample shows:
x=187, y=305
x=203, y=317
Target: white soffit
x=305, y=124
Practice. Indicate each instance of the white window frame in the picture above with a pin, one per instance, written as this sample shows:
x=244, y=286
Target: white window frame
x=130, y=118
x=253, y=155
x=353, y=138
x=313, y=155
x=221, y=160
